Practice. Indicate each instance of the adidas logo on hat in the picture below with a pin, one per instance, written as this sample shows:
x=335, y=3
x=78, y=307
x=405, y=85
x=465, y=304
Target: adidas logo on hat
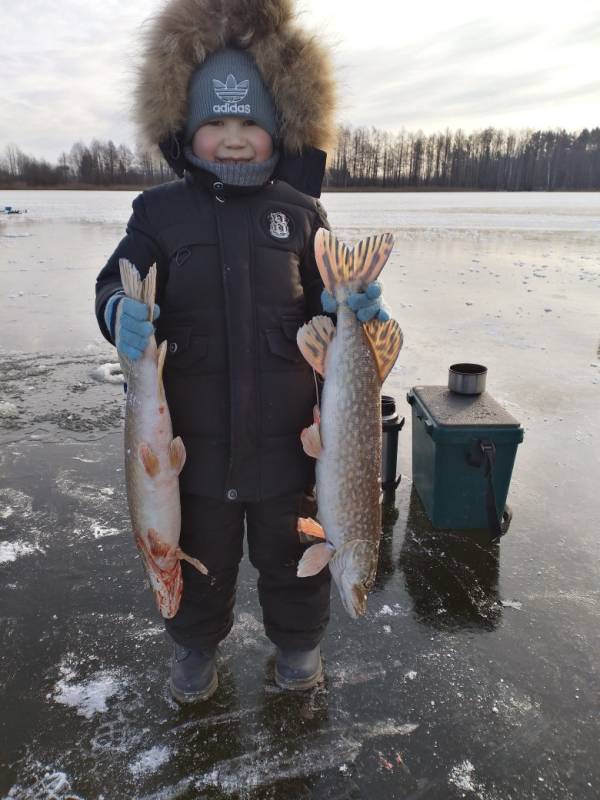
x=231, y=92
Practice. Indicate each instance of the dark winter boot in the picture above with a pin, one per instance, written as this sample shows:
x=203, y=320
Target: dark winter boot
x=298, y=669
x=193, y=674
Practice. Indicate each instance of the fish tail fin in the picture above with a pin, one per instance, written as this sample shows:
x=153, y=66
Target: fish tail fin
x=135, y=287
x=385, y=340
x=342, y=266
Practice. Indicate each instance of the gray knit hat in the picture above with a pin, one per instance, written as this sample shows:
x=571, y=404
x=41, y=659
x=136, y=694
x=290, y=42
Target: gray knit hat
x=228, y=84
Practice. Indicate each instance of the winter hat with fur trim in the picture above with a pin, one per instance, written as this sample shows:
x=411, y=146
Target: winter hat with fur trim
x=294, y=64
x=228, y=84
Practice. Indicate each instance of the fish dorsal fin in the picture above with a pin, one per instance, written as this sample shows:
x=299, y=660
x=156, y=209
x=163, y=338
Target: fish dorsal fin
x=339, y=265
x=385, y=340
x=313, y=340
x=135, y=287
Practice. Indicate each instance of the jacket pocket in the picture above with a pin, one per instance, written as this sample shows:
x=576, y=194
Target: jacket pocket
x=281, y=341
x=184, y=348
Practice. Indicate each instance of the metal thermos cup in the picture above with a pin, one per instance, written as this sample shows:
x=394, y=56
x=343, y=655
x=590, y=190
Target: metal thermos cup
x=467, y=378
x=391, y=423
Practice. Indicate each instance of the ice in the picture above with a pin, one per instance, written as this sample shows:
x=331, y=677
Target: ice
x=49, y=785
x=88, y=697
x=461, y=776
x=150, y=761
x=8, y=410
x=100, y=531
x=90, y=732
x=109, y=373
x=10, y=551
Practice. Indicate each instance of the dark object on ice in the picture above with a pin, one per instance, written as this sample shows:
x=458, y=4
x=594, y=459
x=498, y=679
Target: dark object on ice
x=467, y=378
x=463, y=452
x=193, y=674
x=11, y=210
x=391, y=424
x=298, y=670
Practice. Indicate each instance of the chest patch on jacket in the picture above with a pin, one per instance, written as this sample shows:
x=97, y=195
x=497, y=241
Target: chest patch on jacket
x=279, y=225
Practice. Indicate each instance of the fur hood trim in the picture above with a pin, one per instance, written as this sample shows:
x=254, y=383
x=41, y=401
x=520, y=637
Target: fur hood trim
x=295, y=67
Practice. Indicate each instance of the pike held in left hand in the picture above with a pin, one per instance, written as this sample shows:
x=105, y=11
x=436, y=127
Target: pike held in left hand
x=153, y=459
x=345, y=438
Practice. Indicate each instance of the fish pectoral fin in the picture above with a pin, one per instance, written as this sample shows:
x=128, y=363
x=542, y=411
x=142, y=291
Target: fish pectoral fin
x=191, y=560
x=177, y=454
x=149, y=460
x=311, y=440
x=313, y=340
x=314, y=559
x=309, y=530
x=385, y=340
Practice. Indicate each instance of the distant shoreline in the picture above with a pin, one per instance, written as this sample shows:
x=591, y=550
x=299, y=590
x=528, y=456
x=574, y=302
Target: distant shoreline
x=86, y=187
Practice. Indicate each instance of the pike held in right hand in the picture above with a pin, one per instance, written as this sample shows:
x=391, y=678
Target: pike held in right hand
x=345, y=437
x=153, y=458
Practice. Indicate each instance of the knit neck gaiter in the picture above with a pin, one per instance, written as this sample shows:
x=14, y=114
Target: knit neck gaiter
x=241, y=174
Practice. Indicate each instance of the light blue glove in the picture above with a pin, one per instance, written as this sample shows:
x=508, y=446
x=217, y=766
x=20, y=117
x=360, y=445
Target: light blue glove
x=130, y=319
x=367, y=305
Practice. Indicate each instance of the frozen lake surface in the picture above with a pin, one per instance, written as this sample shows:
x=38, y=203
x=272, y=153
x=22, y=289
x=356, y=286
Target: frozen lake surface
x=475, y=673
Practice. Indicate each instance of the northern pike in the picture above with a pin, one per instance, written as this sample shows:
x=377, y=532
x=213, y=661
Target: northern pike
x=153, y=459
x=345, y=438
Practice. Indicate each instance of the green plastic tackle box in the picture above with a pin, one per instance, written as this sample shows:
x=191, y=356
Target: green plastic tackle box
x=463, y=452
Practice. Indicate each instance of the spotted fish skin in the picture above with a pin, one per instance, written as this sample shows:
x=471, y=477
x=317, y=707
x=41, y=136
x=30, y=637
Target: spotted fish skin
x=348, y=471
x=346, y=436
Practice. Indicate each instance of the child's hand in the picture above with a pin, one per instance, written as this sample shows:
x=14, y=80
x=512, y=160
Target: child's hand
x=367, y=305
x=132, y=326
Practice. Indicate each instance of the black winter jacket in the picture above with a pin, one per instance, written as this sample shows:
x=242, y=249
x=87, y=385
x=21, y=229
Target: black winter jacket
x=236, y=278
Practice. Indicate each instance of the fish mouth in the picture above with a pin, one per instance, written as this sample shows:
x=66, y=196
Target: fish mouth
x=354, y=599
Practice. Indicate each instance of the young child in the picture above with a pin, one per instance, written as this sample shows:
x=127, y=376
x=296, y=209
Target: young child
x=239, y=99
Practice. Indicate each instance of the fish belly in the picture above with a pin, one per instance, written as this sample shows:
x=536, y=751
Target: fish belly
x=153, y=484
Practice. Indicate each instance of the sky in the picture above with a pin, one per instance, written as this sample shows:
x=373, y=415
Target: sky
x=67, y=68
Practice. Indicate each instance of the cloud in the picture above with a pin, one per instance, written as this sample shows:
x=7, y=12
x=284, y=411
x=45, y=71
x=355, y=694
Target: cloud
x=472, y=75
x=68, y=69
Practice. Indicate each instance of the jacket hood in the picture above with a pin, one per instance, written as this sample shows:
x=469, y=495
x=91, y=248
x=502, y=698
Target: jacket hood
x=295, y=67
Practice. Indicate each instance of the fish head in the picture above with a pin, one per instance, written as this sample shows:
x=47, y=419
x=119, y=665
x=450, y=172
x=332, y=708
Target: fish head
x=352, y=570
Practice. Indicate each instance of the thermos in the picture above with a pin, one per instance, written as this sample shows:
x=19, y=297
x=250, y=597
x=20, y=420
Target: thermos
x=391, y=424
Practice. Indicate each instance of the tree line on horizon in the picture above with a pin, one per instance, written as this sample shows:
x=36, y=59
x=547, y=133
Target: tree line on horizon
x=490, y=159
